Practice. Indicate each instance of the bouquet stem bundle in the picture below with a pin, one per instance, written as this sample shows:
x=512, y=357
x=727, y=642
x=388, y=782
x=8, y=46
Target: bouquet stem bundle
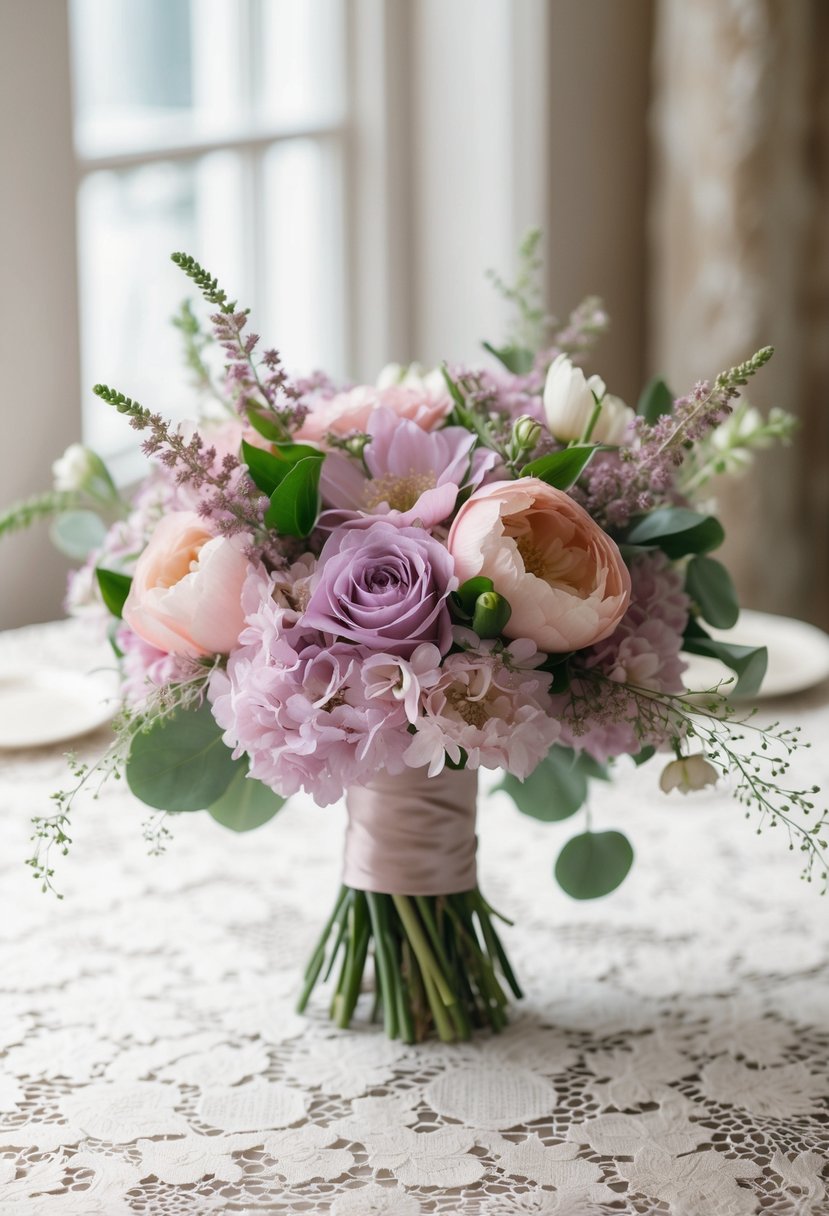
x=438, y=963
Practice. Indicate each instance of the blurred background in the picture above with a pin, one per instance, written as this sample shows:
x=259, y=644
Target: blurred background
x=350, y=168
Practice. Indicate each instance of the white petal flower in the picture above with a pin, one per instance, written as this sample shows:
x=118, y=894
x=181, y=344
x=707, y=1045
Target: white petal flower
x=687, y=774
x=73, y=468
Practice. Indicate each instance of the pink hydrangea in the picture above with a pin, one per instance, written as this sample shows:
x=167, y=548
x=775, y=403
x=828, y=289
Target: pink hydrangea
x=497, y=717
x=144, y=668
x=308, y=715
x=643, y=651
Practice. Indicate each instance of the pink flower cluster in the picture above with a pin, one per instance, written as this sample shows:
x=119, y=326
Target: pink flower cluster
x=318, y=714
x=643, y=651
x=326, y=666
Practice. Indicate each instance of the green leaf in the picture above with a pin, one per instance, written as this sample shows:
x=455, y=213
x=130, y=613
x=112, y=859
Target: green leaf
x=561, y=469
x=115, y=588
x=709, y=585
x=748, y=663
x=246, y=803
x=593, y=864
x=656, y=400
x=77, y=533
x=181, y=763
x=269, y=469
x=556, y=788
x=644, y=756
x=265, y=426
x=516, y=359
x=677, y=531
x=295, y=503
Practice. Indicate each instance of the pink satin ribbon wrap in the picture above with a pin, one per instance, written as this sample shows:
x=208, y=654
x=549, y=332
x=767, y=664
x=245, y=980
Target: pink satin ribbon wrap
x=412, y=834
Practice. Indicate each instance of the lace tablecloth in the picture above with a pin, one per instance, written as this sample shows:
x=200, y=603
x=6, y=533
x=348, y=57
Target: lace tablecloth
x=671, y=1055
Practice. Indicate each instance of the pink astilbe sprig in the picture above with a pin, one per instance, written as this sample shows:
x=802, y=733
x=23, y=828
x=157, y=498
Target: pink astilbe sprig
x=260, y=388
x=642, y=474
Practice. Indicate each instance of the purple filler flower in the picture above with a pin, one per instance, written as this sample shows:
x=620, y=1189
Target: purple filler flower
x=384, y=587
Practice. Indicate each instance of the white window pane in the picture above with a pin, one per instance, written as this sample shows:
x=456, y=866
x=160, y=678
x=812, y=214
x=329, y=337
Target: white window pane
x=303, y=263
x=146, y=70
x=302, y=60
x=129, y=224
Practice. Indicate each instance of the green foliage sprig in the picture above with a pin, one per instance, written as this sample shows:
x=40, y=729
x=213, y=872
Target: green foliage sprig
x=206, y=283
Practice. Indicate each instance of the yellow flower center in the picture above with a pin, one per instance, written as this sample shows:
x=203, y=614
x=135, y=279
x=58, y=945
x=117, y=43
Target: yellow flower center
x=401, y=493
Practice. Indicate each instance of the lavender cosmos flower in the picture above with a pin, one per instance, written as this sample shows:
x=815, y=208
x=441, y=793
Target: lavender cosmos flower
x=384, y=587
x=406, y=472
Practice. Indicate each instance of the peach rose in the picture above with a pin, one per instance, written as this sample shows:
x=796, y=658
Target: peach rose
x=427, y=405
x=186, y=592
x=562, y=575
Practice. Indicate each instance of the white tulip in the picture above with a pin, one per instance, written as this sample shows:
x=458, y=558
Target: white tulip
x=73, y=469
x=613, y=421
x=570, y=401
x=688, y=773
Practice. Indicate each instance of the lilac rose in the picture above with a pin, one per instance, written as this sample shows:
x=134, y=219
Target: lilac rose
x=384, y=588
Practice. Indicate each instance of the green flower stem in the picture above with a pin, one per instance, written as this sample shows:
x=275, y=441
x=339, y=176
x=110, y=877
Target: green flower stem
x=312, y=971
x=438, y=963
x=384, y=958
x=428, y=963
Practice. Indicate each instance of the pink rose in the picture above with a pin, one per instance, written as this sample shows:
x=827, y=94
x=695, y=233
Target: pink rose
x=350, y=411
x=186, y=592
x=563, y=576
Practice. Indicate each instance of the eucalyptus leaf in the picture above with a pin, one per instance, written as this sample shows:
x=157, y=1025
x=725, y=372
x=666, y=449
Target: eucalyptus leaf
x=748, y=663
x=556, y=788
x=295, y=503
x=656, y=400
x=181, y=763
x=561, y=469
x=115, y=587
x=593, y=864
x=709, y=585
x=677, y=531
x=77, y=533
x=246, y=803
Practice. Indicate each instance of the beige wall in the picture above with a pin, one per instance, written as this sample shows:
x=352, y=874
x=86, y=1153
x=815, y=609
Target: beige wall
x=39, y=406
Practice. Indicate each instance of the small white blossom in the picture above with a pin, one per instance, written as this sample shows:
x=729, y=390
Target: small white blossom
x=687, y=774
x=73, y=469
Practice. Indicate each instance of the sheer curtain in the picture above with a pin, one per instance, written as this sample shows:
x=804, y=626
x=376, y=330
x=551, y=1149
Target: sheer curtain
x=739, y=257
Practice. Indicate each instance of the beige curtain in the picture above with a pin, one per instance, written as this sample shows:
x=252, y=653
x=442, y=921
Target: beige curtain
x=739, y=257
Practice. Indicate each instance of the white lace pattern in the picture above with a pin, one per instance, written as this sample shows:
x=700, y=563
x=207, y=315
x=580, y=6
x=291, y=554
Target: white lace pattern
x=671, y=1055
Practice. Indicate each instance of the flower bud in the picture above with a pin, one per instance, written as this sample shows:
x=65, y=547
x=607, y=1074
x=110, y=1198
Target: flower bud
x=688, y=773
x=526, y=433
x=491, y=614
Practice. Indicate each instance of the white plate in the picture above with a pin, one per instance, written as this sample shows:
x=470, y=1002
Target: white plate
x=798, y=654
x=52, y=705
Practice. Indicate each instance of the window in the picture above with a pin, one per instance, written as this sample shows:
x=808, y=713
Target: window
x=217, y=127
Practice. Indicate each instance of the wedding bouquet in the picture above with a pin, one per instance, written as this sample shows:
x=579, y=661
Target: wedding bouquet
x=378, y=590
